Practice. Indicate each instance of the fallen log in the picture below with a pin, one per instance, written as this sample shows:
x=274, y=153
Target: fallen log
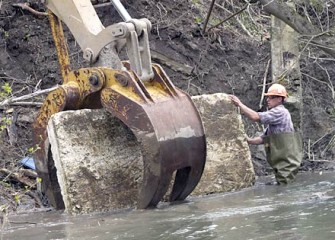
x=9, y=176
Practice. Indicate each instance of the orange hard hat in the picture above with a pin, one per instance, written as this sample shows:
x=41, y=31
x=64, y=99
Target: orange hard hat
x=277, y=90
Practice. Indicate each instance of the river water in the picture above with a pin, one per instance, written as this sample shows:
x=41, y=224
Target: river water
x=304, y=209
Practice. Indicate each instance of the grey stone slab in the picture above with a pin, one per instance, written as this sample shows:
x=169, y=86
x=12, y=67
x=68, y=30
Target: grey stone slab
x=228, y=164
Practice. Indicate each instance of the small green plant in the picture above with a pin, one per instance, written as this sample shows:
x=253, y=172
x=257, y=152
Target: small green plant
x=4, y=123
x=198, y=19
x=33, y=149
x=5, y=91
x=17, y=198
x=6, y=34
x=26, y=37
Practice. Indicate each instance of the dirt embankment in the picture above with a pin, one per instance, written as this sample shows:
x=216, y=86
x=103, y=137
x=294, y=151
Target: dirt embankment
x=230, y=59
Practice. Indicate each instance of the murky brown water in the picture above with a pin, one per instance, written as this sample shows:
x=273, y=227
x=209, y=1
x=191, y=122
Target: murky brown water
x=302, y=210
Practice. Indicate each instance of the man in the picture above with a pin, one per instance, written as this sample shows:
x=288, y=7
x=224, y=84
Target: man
x=282, y=145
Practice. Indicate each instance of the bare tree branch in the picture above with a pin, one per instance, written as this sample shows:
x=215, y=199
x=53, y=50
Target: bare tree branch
x=26, y=6
x=16, y=100
x=229, y=17
x=295, y=21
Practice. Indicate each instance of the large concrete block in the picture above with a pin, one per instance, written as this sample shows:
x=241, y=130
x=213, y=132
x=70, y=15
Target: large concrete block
x=99, y=162
x=228, y=163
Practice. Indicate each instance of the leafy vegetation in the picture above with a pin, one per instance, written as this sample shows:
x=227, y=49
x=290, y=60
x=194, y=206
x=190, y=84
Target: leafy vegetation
x=5, y=91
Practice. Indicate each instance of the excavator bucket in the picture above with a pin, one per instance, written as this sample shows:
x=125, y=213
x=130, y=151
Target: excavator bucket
x=168, y=126
x=162, y=117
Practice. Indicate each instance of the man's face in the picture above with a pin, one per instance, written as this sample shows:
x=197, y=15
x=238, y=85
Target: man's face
x=273, y=101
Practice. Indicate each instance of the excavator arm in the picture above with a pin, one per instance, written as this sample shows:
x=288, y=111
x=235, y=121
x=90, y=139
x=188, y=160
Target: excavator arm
x=162, y=117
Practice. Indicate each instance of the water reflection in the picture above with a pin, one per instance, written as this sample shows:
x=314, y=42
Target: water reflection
x=302, y=210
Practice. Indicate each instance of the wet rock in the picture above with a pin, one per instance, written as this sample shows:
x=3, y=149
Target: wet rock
x=99, y=165
x=228, y=164
x=98, y=161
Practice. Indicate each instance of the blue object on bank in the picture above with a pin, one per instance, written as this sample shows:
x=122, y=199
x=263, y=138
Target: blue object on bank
x=28, y=162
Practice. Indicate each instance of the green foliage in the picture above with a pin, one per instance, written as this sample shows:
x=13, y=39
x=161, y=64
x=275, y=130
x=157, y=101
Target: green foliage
x=198, y=19
x=5, y=91
x=3, y=208
x=38, y=180
x=4, y=123
x=6, y=34
x=26, y=37
x=17, y=198
x=32, y=150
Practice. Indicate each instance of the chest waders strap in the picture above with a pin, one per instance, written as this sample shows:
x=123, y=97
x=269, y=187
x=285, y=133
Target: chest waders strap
x=284, y=154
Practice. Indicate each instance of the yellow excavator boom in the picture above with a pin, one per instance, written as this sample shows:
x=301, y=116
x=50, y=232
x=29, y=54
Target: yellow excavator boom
x=162, y=117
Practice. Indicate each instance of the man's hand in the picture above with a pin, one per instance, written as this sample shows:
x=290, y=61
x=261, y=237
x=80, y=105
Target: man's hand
x=255, y=140
x=251, y=114
x=235, y=100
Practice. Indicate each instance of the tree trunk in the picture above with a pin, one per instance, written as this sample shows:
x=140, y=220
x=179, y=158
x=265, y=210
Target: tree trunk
x=286, y=68
x=282, y=11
